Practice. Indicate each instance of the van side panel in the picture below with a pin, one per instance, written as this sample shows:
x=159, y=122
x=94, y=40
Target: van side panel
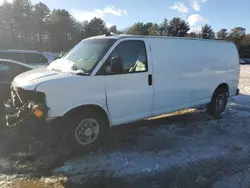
x=187, y=72
x=170, y=88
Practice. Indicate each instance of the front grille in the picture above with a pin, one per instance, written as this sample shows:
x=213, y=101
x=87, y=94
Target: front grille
x=15, y=99
x=26, y=96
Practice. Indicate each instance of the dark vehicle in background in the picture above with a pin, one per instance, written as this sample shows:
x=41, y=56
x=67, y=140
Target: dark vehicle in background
x=244, y=52
x=245, y=61
x=9, y=69
x=242, y=62
x=33, y=58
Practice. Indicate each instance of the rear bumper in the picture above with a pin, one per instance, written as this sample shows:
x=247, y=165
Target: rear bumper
x=237, y=91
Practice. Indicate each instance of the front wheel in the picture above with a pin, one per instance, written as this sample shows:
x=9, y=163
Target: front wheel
x=85, y=129
x=218, y=103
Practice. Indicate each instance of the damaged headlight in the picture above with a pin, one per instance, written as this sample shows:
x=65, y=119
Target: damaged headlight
x=38, y=110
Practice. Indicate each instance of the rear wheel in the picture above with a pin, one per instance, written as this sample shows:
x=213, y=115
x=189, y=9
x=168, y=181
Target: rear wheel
x=218, y=102
x=85, y=129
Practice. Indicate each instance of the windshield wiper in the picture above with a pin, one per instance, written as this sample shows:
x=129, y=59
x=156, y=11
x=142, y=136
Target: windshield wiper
x=82, y=73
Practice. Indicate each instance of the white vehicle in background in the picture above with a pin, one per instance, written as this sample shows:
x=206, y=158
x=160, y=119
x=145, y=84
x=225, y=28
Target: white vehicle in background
x=55, y=55
x=32, y=58
x=110, y=80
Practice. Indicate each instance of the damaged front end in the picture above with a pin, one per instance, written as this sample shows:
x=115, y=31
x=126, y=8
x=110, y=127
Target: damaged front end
x=25, y=104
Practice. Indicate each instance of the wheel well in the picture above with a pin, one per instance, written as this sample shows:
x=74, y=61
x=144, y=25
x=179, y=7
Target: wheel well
x=222, y=86
x=95, y=108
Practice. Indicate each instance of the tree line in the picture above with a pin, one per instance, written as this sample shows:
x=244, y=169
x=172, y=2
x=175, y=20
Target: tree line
x=24, y=25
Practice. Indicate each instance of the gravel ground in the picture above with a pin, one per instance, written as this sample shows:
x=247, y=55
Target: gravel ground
x=183, y=149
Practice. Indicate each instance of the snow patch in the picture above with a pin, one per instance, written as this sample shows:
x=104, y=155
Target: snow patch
x=121, y=164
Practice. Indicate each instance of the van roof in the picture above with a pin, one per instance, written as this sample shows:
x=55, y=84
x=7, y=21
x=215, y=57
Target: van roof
x=119, y=36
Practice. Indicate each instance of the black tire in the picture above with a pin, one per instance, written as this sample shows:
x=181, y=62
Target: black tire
x=71, y=126
x=218, y=103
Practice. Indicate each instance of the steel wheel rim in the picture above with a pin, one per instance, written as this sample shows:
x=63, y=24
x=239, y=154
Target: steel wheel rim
x=220, y=102
x=87, y=131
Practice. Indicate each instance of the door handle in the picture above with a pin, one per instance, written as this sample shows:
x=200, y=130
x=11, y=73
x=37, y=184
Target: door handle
x=150, y=80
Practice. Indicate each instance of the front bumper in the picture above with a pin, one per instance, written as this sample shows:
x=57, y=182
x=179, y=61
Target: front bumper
x=16, y=115
x=23, y=105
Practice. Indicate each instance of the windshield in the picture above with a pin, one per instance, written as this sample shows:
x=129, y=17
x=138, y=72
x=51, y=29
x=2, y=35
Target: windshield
x=84, y=56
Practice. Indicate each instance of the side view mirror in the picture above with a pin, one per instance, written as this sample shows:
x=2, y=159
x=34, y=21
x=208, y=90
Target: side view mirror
x=116, y=65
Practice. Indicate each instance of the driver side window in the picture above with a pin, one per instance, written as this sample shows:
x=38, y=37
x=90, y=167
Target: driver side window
x=132, y=55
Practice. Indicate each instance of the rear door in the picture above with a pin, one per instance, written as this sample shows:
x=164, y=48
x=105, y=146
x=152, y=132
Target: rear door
x=130, y=93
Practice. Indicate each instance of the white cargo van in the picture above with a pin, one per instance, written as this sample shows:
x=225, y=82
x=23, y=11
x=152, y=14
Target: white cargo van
x=115, y=79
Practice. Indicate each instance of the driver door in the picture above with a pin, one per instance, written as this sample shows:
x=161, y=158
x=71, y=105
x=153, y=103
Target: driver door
x=130, y=92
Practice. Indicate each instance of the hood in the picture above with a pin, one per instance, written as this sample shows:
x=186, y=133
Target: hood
x=30, y=79
x=65, y=66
